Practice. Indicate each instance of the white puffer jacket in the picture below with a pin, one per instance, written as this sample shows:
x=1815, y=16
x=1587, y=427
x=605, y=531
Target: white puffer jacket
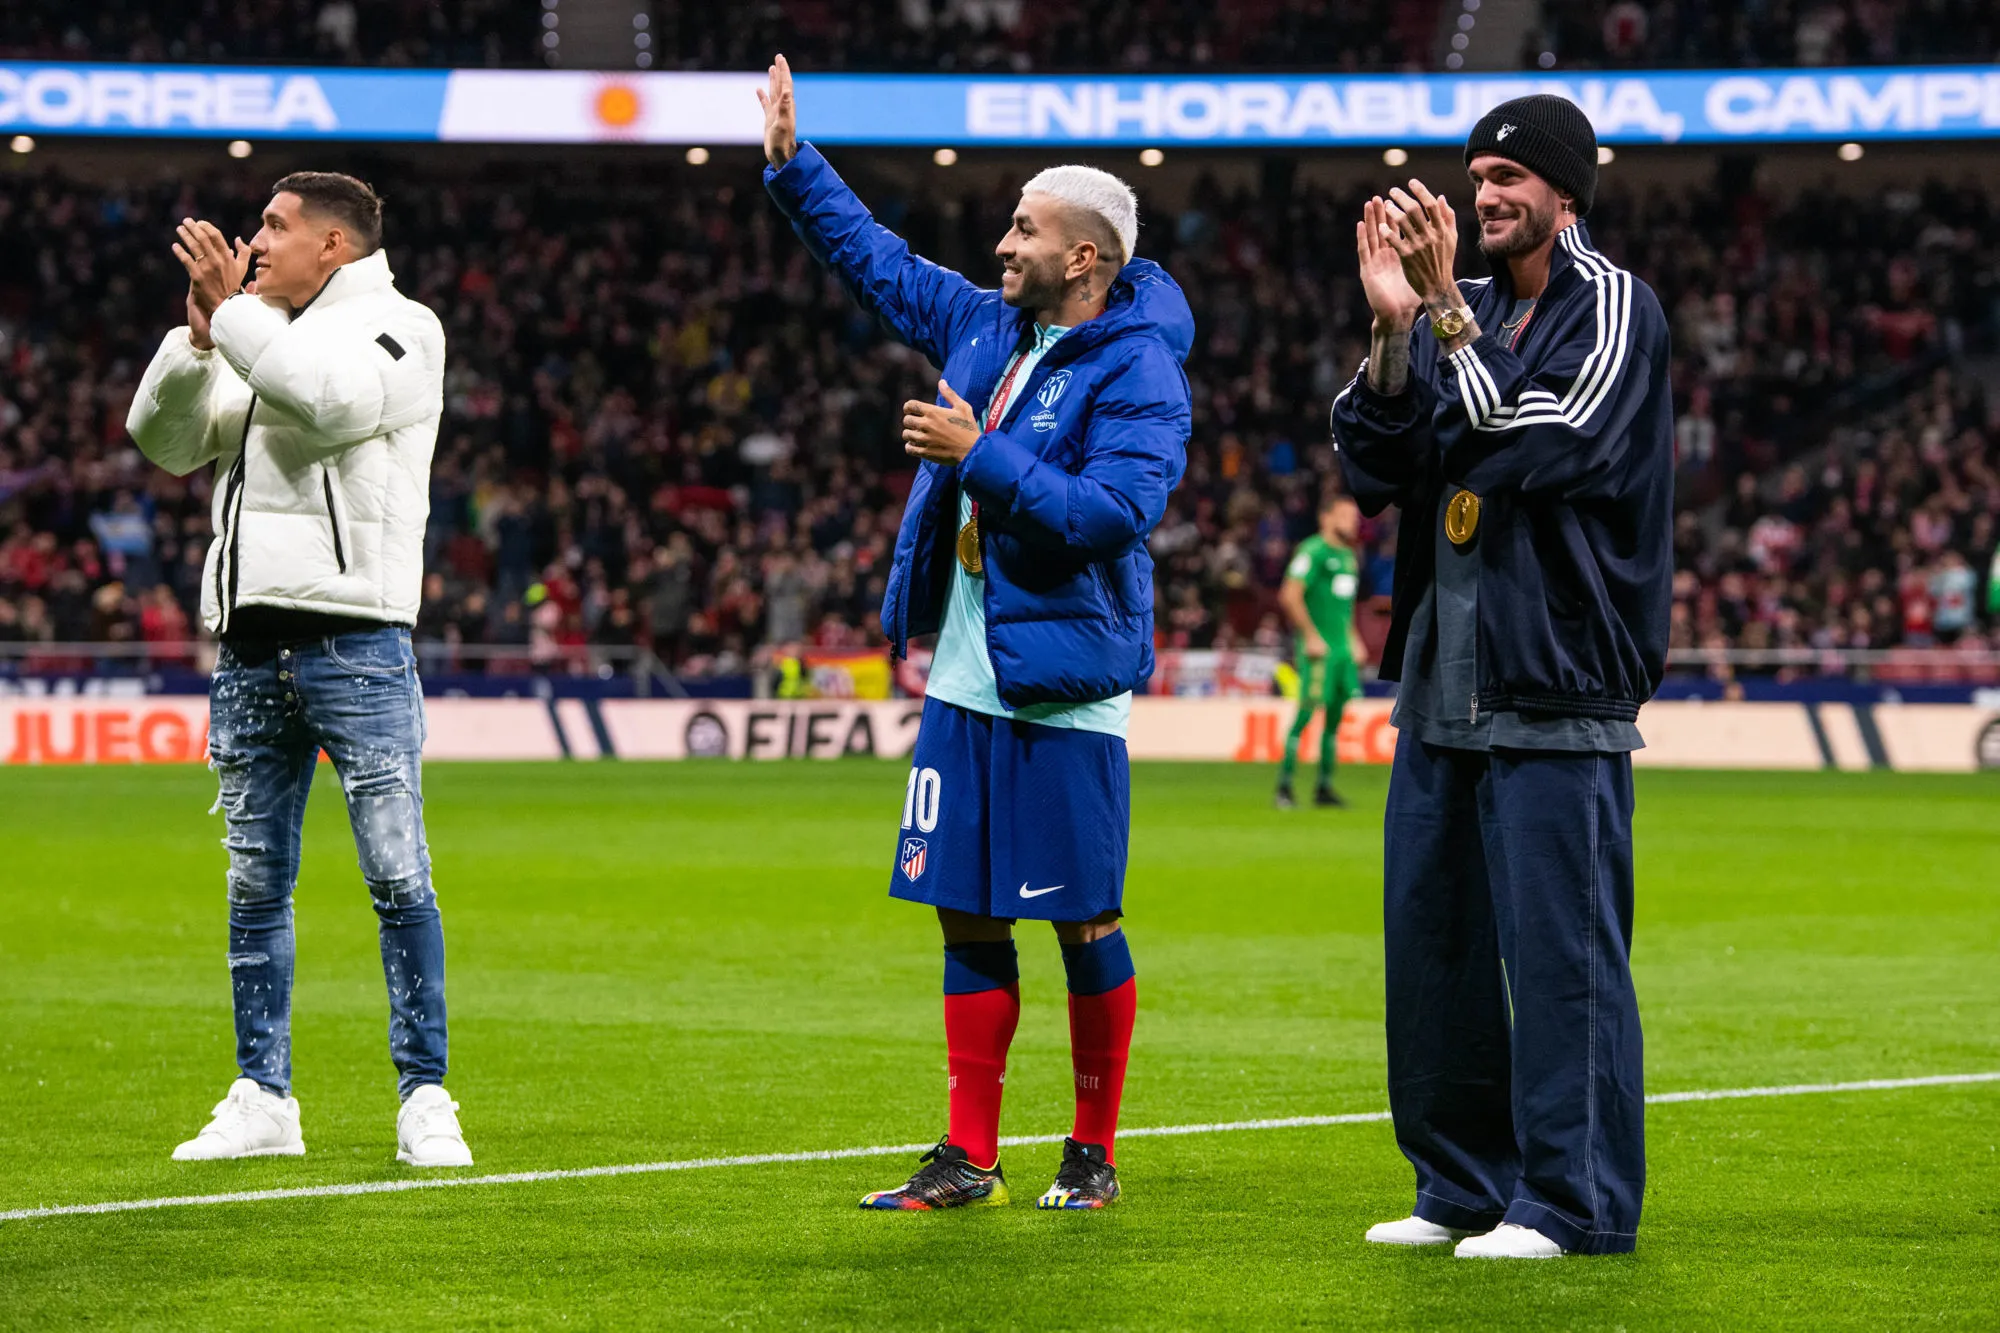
x=321, y=427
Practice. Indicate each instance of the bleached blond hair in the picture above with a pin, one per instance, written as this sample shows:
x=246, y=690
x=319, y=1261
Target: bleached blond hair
x=1098, y=193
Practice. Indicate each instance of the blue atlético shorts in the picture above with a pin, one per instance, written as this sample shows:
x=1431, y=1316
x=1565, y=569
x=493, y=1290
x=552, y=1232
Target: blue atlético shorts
x=1014, y=819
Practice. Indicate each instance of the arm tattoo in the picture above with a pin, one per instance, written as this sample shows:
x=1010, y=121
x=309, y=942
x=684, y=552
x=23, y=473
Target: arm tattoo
x=1388, y=360
x=1438, y=305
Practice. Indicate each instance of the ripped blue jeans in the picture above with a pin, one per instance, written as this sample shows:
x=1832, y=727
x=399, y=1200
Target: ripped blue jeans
x=272, y=709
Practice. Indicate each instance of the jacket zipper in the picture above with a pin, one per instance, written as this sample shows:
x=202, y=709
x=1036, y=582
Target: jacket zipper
x=1103, y=582
x=232, y=521
x=333, y=518
x=229, y=486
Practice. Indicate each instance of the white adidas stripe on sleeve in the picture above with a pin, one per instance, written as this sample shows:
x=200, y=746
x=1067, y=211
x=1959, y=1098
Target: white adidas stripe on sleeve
x=1595, y=378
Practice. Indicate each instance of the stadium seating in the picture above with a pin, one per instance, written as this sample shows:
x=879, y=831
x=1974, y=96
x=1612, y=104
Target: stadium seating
x=983, y=35
x=1705, y=34
x=1007, y=35
x=665, y=428
x=268, y=32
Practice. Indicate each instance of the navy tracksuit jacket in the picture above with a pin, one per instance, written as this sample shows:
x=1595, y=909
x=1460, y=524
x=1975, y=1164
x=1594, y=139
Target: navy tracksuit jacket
x=1515, y=1066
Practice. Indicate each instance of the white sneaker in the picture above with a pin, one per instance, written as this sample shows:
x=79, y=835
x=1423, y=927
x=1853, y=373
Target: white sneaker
x=1413, y=1231
x=427, y=1132
x=1509, y=1241
x=249, y=1122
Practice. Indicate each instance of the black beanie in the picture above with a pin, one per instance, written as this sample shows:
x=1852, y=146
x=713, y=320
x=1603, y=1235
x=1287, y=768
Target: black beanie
x=1548, y=135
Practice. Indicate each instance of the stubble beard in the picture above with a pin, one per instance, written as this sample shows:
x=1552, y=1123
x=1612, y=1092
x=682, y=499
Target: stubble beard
x=1041, y=288
x=1529, y=234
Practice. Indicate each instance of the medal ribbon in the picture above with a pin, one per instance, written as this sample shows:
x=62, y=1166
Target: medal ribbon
x=998, y=407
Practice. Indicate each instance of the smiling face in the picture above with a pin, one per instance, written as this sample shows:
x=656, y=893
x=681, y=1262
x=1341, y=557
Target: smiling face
x=1041, y=253
x=295, y=250
x=1518, y=210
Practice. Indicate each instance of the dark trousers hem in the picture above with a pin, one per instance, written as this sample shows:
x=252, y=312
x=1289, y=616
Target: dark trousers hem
x=1445, y=1213
x=1573, y=1238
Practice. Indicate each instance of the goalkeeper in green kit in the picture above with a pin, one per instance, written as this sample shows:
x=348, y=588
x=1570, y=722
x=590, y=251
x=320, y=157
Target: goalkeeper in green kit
x=1318, y=597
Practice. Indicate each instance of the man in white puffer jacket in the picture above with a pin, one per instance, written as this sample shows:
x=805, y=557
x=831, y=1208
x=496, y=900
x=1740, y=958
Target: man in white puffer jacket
x=316, y=391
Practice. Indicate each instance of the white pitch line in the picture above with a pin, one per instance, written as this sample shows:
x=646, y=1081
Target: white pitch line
x=892, y=1150
x=1795, y=1089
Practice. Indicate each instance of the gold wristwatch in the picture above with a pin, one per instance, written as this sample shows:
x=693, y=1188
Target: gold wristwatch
x=1451, y=323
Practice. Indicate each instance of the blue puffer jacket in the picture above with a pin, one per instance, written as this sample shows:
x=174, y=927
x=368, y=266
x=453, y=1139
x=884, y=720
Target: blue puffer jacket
x=1068, y=487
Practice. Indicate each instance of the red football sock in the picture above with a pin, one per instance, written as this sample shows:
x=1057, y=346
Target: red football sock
x=978, y=1028
x=1100, y=1040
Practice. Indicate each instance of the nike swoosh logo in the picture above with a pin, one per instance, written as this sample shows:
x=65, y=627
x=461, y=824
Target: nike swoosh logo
x=1026, y=893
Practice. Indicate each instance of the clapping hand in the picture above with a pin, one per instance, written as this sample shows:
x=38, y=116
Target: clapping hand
x=1390, y=295
x=1423, y=231
x=215, y=273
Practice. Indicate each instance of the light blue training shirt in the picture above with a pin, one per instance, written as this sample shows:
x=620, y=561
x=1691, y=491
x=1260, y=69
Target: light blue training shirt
x=961, y=668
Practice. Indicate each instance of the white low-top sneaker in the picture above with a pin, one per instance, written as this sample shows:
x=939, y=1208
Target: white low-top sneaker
x=1509, y=1241
x=249, y=1122
x=427, y=1132
x=1413, y=1231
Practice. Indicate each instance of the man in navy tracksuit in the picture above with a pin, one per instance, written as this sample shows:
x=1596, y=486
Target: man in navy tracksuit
x=1524, y=424
x=1023, y=547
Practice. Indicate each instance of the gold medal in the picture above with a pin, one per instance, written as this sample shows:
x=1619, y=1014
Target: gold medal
x=1461, y=518
x=969, y=553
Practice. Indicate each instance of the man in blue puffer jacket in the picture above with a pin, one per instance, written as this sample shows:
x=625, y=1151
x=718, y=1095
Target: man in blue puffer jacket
x=1023, y=547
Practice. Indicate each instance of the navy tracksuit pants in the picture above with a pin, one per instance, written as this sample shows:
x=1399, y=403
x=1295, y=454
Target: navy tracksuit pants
x=1515, y=1072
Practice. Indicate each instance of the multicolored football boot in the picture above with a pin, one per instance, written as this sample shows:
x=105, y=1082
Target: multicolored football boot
x=947, y=1179
x=1085, y=1179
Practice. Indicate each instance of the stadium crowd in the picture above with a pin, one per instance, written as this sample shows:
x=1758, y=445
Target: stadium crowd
x=1708, y=34
x=1009, y=35
x=437, y=33
x=1132, y=36
x=893, y=35
x=665, y=430
x=1882, y=541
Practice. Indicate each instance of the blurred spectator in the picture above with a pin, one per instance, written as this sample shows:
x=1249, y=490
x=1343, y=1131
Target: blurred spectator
x=1952, y=587
x=163, y=621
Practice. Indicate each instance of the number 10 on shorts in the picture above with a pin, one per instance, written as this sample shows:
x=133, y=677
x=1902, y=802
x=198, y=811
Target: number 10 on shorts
x=920, y=800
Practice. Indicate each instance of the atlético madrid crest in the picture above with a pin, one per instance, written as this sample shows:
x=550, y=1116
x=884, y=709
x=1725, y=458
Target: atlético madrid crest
x=1053, y=386
x=915, y=855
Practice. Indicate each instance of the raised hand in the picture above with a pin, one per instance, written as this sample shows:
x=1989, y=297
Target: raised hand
x=781, y=115
x=215, y=273
x=1423, y=231
x=1390, y=295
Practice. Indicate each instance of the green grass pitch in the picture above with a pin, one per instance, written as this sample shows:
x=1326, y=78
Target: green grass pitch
x=665, y=962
